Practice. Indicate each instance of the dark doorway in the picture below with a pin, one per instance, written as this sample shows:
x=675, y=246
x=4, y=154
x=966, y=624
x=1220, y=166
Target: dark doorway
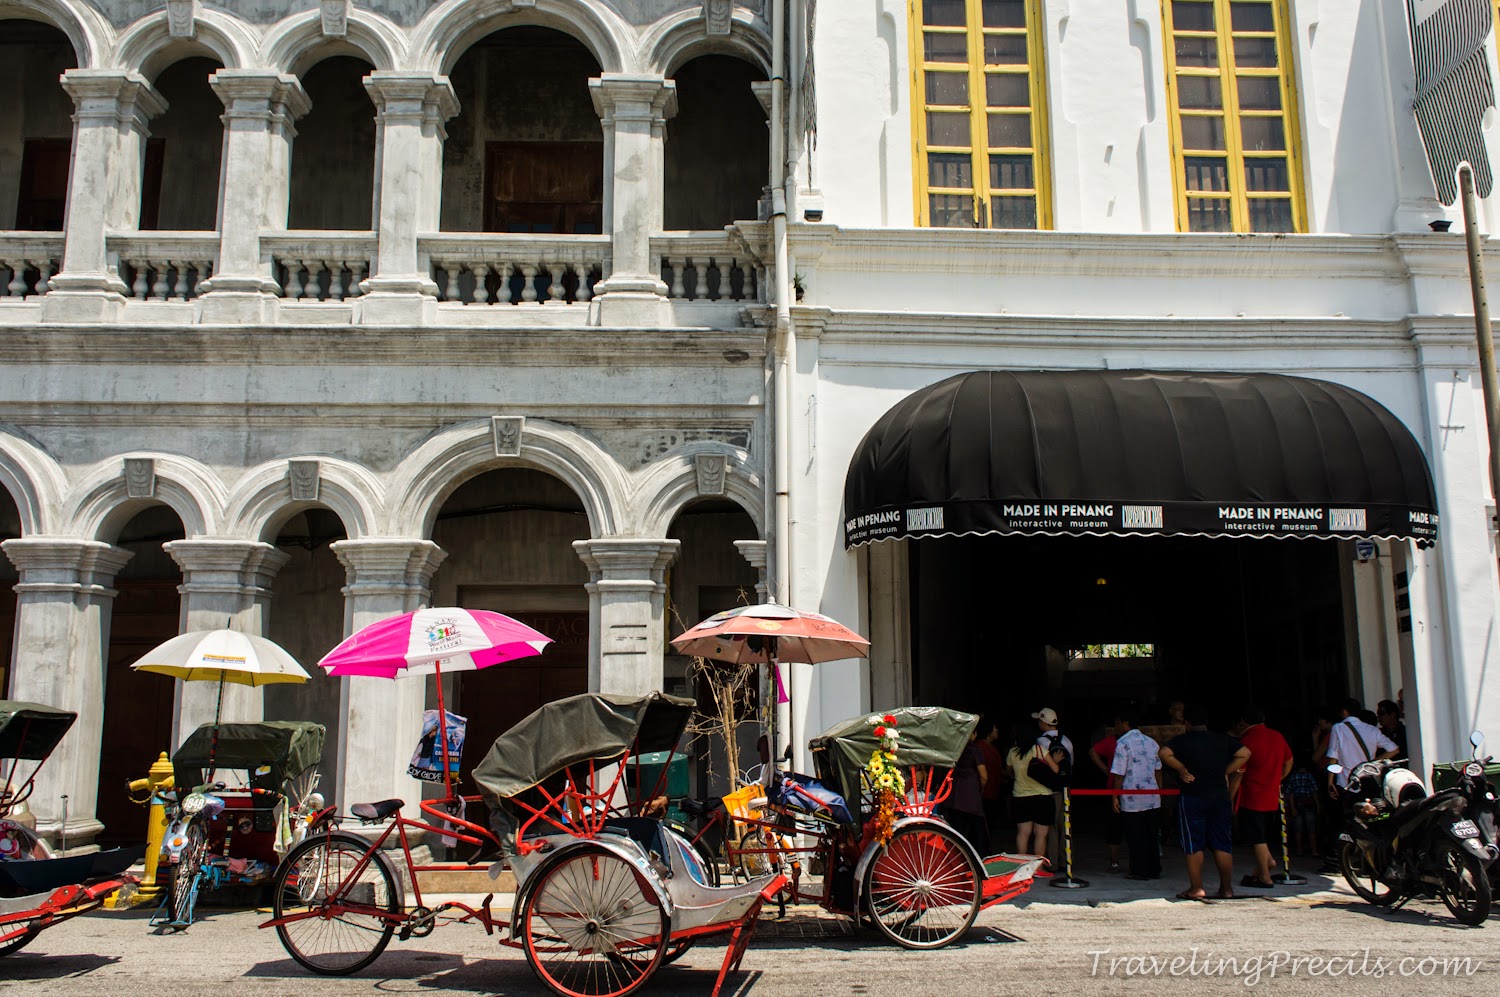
x=44, y=184
x=333, y=155
x=191, y=136
x=544, y=187
x=717, y=145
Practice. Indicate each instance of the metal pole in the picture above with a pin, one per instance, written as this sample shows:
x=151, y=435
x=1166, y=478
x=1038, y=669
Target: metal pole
x=1066, y=880
x=1286, y=878
x=1482, y=328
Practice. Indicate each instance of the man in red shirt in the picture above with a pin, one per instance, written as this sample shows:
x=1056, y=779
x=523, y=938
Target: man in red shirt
x=994, y=774
x=1260, y=792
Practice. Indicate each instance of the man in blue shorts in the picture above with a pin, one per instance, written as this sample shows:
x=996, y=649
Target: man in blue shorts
x=1208, y=765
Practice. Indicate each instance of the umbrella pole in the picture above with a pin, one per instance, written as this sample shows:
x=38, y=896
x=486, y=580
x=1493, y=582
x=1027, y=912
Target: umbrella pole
x=213, y=742
x=437, y=671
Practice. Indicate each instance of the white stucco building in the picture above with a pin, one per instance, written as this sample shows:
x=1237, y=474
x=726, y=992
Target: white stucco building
x=324, y=312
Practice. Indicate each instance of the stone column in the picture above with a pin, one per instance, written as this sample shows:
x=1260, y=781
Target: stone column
x=634, y=111
x=63, y=602
x=112, y=109
x=382, y=717
x=259, y=108
x=226, y=584
x=627, y=602
x=754, y=551
x=410, y=109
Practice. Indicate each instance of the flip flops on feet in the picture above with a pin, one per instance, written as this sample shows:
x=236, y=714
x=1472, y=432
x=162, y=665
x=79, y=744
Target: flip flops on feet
x=1202, y=898
x=1257, y=884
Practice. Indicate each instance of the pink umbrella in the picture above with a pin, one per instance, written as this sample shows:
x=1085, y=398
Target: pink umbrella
x=428, y=641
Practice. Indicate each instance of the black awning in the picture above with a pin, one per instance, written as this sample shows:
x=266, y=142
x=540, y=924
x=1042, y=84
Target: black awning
x=1131, y=452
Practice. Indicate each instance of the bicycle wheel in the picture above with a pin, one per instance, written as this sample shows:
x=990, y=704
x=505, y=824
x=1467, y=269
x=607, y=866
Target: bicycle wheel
x=923, y=887
x=755, y=853
x=1363, y=878
x=314, y=879
x=1464, y=887
x=17, y=943
x=593, y=925
x=183, y=893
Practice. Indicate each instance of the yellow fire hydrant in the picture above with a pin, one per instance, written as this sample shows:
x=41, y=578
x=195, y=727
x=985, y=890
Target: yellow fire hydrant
x=149, y=790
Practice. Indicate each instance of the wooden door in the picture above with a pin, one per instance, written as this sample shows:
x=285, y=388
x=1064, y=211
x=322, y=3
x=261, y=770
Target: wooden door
x=43, y=197
x=137, y=705
x=544, y=187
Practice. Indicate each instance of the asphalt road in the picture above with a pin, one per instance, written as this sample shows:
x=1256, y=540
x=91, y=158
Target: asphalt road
x=1047, y=944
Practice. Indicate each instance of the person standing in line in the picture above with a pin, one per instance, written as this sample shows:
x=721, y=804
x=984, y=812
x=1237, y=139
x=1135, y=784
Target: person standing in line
x=1352, y=741
x=995, y=773
x=1208, y=766
x=1136, y=764
x=964, y=807
x=1260, y=792
x=1031, y=802
x=1388, y=719
x=1302, y=810
x=1102, y=754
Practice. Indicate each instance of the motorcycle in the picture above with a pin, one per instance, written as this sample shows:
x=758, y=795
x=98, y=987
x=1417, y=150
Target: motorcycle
x=184, y=849
x=1400, y=842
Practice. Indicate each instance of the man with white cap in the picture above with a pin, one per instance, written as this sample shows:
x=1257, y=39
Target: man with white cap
x=1051, y=738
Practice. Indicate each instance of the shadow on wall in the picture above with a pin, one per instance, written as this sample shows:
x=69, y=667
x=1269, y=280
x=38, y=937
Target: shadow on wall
x=333, y=155
x=717, y=145
x=180, y=183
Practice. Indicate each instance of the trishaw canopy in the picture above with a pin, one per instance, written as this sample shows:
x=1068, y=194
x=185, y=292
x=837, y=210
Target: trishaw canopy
x=592, y=726
x=289, y=747
x=928, y=736
x=30, y=730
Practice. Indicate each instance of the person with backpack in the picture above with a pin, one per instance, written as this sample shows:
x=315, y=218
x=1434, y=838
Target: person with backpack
x=1352, y=741
x=1031, y=801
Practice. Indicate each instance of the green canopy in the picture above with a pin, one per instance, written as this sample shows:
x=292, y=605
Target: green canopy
x=928, y=736
x=289, y=747
x=31, y=730
x=576, y=729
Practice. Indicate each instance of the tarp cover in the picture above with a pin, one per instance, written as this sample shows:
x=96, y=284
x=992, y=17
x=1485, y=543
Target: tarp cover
x=927, y=736
x=290, y=747
x=575, y=729
x=1138, y=453
x=31, y=730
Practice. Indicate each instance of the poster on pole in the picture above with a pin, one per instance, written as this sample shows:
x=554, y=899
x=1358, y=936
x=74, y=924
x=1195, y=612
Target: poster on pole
x=1454, y=88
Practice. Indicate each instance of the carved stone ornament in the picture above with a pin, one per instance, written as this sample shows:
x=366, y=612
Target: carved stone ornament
x=335, y=15
x=181, y=15
x=717, y=15
x=303, y=476
x=507, y=430
x=712, y=471
x=140, y=477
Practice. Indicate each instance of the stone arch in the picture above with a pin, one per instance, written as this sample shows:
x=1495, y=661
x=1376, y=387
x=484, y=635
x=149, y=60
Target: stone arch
x=147, y=46
x=681, y=38
x=101, y=503
x=669, y=484
x=431, y=472
x=33, y=479
x=262, y=502
x=297, y=44
x=448, y=30
x=87, y=31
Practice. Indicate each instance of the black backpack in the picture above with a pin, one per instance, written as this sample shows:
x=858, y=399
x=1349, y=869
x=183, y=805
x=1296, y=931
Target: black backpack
x=1041, y=772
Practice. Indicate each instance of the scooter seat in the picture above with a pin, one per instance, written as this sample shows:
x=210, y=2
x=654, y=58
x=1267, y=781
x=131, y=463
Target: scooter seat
x=698, y=808
x=376, y=811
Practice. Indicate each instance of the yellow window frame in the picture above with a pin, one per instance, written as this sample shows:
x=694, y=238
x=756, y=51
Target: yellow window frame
x=1234, y=153
x=978, y=109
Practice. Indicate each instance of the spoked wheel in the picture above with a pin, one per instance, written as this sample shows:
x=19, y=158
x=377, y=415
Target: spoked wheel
x=1363, y=878
x=343, y=931
x=1464, y=887
x=17, y=943
x=923, y=887
x=593, y=926
x=183, y=894
x=755, y=854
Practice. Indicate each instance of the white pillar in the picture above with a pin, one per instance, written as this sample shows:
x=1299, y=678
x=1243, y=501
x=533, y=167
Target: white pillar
x=226, y=584
x=634, y=111
x=63, y=602
x=627, y=603
x=112, y=109
x=410, y=109
x=259, y=108
x=382, y=717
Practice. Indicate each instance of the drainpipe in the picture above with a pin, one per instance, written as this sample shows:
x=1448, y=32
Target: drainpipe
x=785, y=344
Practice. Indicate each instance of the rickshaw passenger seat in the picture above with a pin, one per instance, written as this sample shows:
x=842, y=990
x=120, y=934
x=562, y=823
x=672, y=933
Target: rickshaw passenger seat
x=376, y=811
x=646, y=832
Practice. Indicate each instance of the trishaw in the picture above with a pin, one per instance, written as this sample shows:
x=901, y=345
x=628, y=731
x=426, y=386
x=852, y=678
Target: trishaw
x=605, y=893
x=925, y=884
x=37, y=888
x=222, y=835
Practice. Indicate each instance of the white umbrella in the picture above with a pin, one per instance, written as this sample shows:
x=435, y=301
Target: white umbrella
x=222, y=656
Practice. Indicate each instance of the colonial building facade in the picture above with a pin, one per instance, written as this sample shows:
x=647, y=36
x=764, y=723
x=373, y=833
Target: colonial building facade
x=325, y=312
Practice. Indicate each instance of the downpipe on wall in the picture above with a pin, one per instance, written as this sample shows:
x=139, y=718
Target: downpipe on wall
x=784, y=347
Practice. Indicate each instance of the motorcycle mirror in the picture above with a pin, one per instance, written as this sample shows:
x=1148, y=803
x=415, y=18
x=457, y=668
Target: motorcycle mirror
x=1476, y=738
x=1336, y=768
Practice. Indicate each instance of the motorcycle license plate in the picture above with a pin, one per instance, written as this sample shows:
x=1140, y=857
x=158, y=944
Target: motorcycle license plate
x=1465, y=829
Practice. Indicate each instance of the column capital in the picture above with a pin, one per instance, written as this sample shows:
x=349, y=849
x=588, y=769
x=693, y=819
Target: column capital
x=109, y=96
x=229, y=567
x=65, y=564
x=621, y=563
x=637, y=97
x=756, y=552
x=424, y=96
x=392, y=565
x=252, y=94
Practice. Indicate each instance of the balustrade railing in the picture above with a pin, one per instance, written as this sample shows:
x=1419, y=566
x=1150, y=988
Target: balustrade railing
x=28, y=261
x=706, y=266
x=163, y=266
x=508, y=269
x=320, y=266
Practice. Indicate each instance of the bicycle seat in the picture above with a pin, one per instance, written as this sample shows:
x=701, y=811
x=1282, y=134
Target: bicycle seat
x=699, y=808
x=373, y=812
